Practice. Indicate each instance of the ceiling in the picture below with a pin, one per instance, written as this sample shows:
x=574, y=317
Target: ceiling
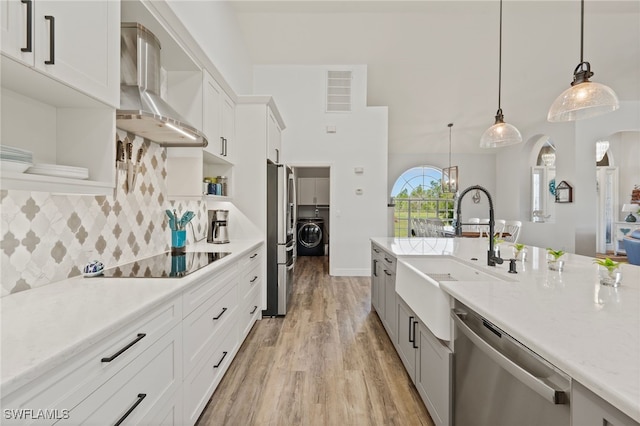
x=436, y=62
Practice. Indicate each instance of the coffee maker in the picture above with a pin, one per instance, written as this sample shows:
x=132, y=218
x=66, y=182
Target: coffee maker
x=218, y=232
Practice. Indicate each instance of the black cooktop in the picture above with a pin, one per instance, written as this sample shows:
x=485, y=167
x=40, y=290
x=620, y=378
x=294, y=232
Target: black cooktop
x=165, y=265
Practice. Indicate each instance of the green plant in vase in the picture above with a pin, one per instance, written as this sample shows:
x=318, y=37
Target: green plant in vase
x=554, y=262
x=609, y=272
x=496, y=244
x=519, y=251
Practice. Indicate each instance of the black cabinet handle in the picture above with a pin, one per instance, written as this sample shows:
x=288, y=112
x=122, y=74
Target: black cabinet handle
x=410, y=327
x=414, y=335
x=376, y=250
x=220, y=314
x=224, y=354
x=253, y=256
x=254, y=310
x=277, y=155
x=221, y=146
x=388, y=260
x=387, y=272
x=52, y=39
x=375, y=267
x=254, y=279
x=121, y=351
x=141, y=396
x=29, y=47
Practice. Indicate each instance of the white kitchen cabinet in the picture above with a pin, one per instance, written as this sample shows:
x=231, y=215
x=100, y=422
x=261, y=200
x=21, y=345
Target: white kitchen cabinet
x=76, y=43
x=274, y=142
x=433, y=375
x=313, y=191
x=377, y=280
x=588, y=409
x=390, y=320
x=63, y=112
x=428, y=362
x=111, y=365
x=218, y=112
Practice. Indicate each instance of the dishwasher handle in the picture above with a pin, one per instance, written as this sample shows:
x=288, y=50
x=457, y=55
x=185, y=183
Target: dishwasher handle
x=555, y=396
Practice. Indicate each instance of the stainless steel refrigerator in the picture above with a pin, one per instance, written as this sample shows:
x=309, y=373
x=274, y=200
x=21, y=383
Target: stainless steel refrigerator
x=281, y=240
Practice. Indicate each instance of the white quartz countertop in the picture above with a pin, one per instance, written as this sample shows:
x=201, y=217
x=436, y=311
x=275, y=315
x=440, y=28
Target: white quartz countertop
x=589, y=331
x=45, y=326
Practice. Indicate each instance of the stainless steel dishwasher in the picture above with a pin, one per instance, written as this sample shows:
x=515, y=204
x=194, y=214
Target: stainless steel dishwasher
x=500, y=382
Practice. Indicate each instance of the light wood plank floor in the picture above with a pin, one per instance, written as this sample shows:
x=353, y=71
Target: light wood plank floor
x=328, y=362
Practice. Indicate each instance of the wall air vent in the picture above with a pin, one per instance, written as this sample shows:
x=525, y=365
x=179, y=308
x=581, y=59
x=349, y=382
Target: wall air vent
x=338, y=91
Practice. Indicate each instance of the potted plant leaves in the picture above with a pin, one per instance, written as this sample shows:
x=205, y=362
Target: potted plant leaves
x=553, y=259
x=609, y=270
x=519, y=251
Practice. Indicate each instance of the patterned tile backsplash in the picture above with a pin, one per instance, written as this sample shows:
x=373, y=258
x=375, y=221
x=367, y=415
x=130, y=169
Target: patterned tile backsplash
x=48, y=238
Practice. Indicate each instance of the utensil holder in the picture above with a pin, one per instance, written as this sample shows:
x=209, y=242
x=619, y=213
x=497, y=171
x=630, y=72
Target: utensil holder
x=178, y=240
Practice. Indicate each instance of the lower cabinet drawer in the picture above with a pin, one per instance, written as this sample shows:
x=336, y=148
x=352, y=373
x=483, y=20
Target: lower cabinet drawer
x=250, y=313
x=200, y=384
x=250, y=280
x=139, y=391
x=200, y=327
x=63, y=388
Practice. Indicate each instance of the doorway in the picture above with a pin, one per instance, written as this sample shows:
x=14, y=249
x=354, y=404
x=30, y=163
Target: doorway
x=313, y=196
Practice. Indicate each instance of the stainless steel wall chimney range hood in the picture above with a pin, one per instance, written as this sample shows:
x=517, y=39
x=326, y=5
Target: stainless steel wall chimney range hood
x=142, y=110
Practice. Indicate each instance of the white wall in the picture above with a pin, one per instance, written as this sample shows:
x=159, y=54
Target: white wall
x=360, y=141
x=215, y=26
x=574, y=229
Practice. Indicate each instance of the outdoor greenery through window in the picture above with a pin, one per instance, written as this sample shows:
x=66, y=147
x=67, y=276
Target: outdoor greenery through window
x=418, y=197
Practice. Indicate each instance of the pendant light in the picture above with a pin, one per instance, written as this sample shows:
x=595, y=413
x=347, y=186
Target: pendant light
x=450, y=174
x=584, y=98
x=501, y=133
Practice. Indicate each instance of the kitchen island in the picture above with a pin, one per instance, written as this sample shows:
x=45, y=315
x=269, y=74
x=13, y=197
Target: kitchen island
x=590, y=332
x=74, y=347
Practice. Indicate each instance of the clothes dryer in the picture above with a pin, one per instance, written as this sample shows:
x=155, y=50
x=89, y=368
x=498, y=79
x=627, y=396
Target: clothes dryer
x=310, y=236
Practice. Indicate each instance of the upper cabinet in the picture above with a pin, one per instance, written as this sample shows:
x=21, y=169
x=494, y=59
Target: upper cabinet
x=274, y=139
x=313, y=191
x=218, y=119
x=60, y=87
x=76, y=43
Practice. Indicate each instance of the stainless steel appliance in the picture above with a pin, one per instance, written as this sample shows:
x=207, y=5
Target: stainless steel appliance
x=499, y=381
x=219, y=232
x=165, y=265
x=281, y=241
x=142, y=111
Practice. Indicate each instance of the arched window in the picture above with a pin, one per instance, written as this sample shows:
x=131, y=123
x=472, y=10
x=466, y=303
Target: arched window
x=418, y=197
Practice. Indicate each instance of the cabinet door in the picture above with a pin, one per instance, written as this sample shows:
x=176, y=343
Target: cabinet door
x=433, y=375
x=228, y=127
x=390, y=305
x=588, y=409
x=322, y=191
x=405, y=344
x=306, y=191
x=377, y=279
x=15, y=23
x=274, y=139
x=79, y=43
x=211, y=115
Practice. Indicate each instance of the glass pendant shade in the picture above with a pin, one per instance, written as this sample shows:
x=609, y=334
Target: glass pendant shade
x=583, y=100
x=500, y=134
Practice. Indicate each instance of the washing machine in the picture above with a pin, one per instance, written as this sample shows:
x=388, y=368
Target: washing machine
x=310, y=235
